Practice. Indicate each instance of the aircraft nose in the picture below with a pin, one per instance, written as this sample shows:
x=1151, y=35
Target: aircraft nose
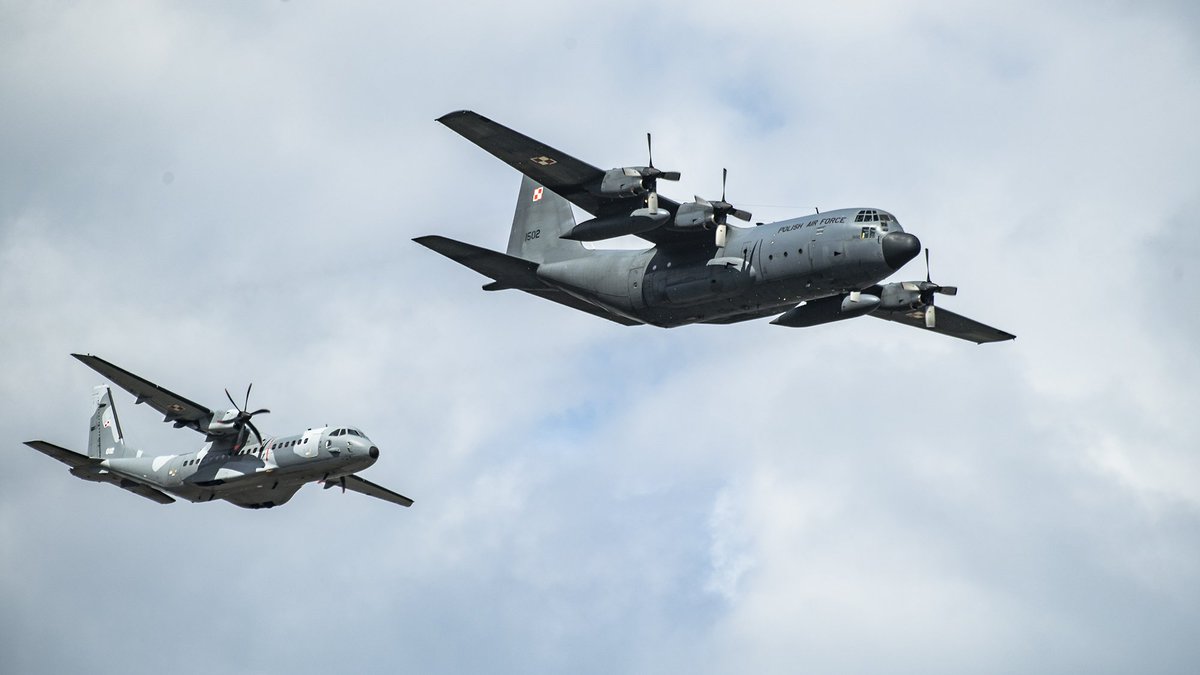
x=899, y=248
x=373, y=452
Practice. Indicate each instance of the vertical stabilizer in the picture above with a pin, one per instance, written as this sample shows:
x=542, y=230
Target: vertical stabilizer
x=541, y=218
x=105, y=439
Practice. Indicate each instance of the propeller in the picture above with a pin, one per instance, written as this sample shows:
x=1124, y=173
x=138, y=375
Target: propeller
x=650, y=176
x=243, y=418
x=927, y=290
x=722, y=210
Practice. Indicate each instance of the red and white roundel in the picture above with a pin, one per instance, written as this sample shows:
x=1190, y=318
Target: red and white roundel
x=537, y=194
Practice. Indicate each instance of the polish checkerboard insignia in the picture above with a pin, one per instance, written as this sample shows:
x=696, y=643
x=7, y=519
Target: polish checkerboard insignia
x=543, y=160
x=537, y=194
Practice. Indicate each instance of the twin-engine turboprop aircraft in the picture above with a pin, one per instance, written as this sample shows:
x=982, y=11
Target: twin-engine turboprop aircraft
x=808, y=270
x=254, y=474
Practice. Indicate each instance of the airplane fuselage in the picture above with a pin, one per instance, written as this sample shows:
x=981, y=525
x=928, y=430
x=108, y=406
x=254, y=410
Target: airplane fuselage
x=760, y=271
x=255, y=476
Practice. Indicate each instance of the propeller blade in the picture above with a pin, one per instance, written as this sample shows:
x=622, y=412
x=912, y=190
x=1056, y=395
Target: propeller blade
x=246, y=405
x=930, y=317
x=948, y=290
x=228, y=396
x=260, y=411
x=254, y=430
x=342, y=482
x=654, y=173
x=724, y=175
x=722, y=232
x=740, y=214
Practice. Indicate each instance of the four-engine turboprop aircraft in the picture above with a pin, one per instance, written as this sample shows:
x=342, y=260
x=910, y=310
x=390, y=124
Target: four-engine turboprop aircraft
x=810, y=270
x=258, y=473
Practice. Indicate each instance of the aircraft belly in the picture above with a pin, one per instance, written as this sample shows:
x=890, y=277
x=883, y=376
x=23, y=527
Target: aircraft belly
x=758, y=301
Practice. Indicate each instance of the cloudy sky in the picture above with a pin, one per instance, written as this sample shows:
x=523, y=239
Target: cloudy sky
x=219, y=193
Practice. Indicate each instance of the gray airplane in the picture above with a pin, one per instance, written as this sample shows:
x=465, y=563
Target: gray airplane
x=253, y=473
x=809, y=270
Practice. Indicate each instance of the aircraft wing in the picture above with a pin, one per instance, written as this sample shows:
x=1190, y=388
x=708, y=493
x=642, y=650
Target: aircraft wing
x=175, y=408
x=370, y=489
x=574, y=180
x=511, y=272
x=76, y=461
x=948, y=323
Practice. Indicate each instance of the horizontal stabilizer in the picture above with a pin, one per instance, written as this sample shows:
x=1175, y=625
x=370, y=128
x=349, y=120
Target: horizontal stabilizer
x=370, y=489
x=69, y=457
x=512, y=272
x=948, y=323
x=508, y=271
x=91, y=471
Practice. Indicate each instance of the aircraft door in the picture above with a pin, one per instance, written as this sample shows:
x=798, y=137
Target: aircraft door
x=309, y=444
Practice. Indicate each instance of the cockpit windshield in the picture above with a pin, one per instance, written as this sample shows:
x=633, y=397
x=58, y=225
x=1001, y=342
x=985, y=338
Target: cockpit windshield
x=347, y=432
x=876, y=216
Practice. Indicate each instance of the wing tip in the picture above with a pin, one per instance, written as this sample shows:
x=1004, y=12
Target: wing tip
x=455, y=114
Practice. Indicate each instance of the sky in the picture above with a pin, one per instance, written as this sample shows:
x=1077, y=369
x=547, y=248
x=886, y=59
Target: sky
x=222, y=193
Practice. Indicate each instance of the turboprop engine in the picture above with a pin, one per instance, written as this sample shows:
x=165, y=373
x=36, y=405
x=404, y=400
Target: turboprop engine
x=710, y=215
x=236, y=420
x=915, y=295
x=629, y=181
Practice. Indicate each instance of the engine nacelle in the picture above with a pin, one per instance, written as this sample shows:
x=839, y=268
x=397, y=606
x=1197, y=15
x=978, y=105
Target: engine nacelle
x=222, y=422
x=695, y=214
x=827, y=310
x=896, y=297
x=624, y=182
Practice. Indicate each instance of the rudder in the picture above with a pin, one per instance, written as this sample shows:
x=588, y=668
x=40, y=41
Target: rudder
x=105, y=440
x=540, y=219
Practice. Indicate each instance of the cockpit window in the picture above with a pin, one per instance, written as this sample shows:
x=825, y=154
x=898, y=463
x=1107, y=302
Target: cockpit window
x=875, y=216
x=338, y=432
x=353, y=432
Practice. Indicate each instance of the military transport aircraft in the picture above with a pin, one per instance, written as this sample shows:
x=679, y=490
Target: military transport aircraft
x=810, y=270
x=254, y=474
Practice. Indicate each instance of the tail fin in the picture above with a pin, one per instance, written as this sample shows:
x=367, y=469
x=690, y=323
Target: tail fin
x=541, y=218
x=105, y=440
